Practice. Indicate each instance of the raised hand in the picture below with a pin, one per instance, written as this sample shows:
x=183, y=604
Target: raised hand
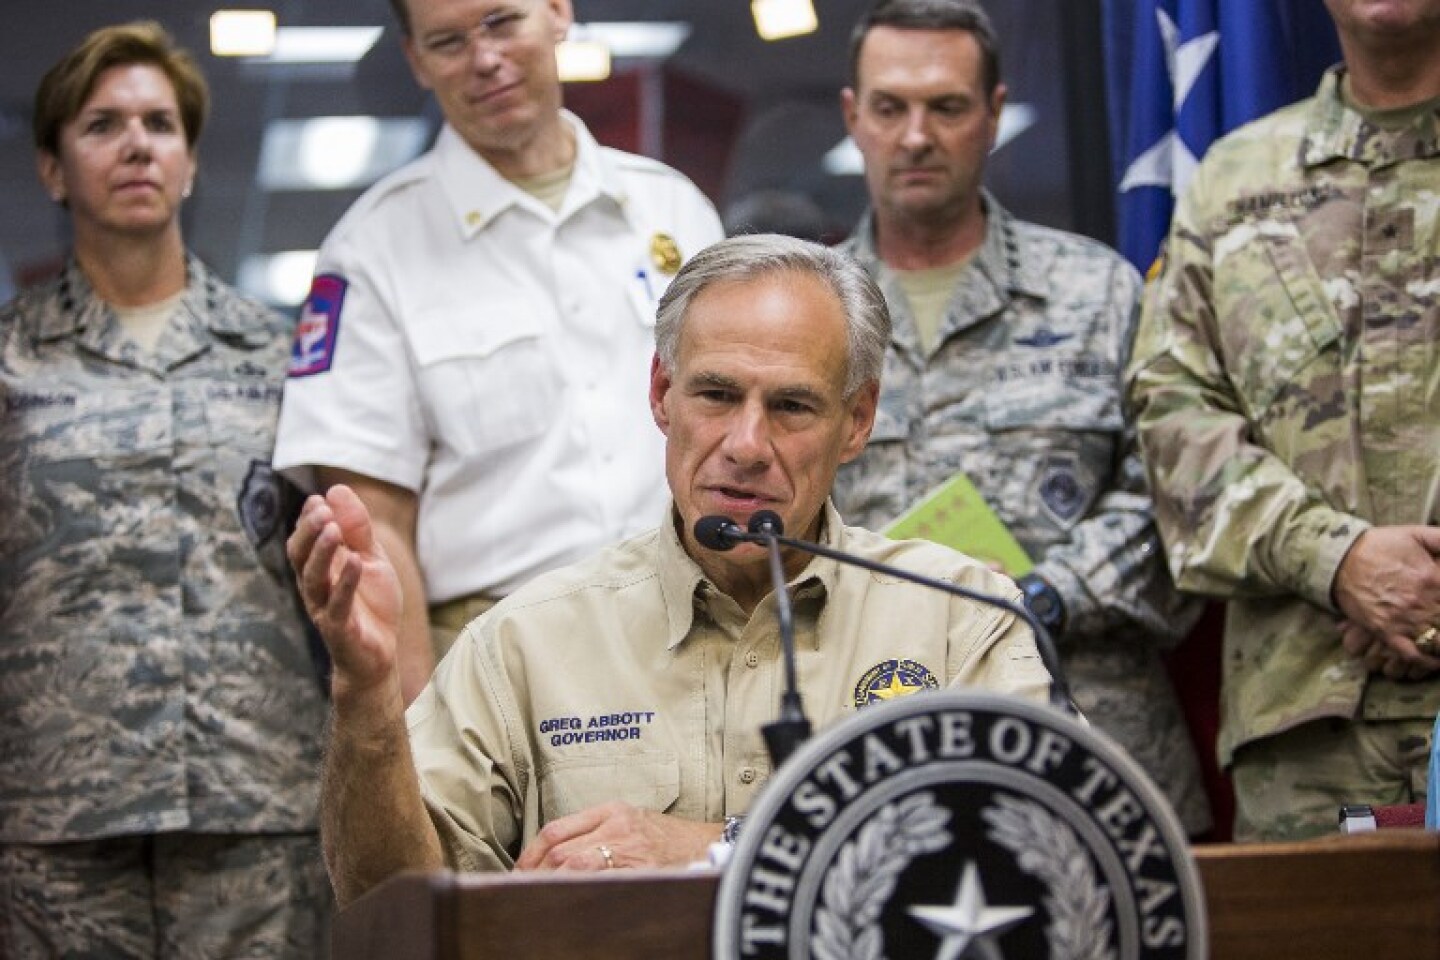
x=348, y=585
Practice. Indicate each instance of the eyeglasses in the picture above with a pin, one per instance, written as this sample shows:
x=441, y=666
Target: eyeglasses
x=495, y=30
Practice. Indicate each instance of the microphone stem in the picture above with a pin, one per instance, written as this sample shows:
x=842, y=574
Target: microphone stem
x=792, y=728
x=786, y=616
x=1059, y=689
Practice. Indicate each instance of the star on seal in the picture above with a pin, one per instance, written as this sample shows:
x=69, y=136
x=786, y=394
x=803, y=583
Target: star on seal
x=969, y=921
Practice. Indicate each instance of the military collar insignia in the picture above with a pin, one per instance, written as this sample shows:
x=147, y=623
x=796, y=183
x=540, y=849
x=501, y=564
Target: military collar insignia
x=960, y=825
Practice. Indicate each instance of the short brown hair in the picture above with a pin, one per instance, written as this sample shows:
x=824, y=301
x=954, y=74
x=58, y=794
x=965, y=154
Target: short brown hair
x=67, y=86
x=965, y=15
x=402, y=14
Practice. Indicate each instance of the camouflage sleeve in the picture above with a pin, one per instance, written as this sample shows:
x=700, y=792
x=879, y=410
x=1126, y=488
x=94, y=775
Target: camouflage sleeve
x=1235, y=518
x=1111, y=572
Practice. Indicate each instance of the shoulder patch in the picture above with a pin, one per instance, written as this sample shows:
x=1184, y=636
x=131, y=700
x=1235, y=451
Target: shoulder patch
x=319, y=326
x=259, y=503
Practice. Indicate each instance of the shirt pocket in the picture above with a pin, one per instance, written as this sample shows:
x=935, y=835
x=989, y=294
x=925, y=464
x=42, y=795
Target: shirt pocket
x=82, y=466
x=1049, y=456
x=487, y=375
x=649, y=780
x=1288, y=322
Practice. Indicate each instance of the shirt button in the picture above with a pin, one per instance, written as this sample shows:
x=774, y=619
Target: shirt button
x=747, y=775
x=752, y=659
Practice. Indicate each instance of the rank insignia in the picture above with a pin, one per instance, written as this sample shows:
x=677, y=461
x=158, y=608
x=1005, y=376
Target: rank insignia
x=893, y=679
x=665, y=254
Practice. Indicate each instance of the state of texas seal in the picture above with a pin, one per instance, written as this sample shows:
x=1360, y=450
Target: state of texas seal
x=954, y=825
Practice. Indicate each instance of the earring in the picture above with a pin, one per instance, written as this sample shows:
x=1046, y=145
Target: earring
x=185, y=194
x=58, y=195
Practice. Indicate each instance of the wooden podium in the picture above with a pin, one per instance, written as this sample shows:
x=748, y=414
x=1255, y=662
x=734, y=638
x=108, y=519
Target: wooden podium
x=1371, y=896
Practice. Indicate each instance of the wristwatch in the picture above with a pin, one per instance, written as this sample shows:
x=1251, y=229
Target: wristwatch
x=1044, y=602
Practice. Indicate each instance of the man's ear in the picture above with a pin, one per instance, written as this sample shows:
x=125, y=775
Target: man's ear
x=563, y=16
x=849, y=105
x=660, y=384
x=997, y=105
x=862, y=420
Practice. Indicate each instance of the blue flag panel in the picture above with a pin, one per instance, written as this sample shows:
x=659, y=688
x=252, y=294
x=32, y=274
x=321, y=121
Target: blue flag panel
x=1183, y=73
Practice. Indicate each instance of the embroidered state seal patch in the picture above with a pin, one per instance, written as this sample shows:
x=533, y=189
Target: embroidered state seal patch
x=892, y=679
x=958, y=825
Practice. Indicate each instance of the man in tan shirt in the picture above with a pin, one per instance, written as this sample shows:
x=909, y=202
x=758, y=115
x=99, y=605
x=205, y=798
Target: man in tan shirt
x=608, y=714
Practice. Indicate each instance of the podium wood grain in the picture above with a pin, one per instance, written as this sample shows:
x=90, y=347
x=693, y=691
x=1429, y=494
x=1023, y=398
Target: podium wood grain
x=1367, y=897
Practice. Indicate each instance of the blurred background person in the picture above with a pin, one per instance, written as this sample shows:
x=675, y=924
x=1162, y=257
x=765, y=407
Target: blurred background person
x=787, y=212
x=468, y=356
x=160, y=715
x=1005, y=365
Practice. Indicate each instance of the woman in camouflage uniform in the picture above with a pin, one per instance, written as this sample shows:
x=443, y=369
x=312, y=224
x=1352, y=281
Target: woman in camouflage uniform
x=160, y=716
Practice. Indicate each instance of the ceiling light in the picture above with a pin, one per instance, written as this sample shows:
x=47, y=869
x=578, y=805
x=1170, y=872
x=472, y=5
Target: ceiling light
x=582, y=60
x=337, y=153
x=242, y=33
x=323, y=44
x=845, y=160
x=279, y=279
x=635, y=40
x=778, y=19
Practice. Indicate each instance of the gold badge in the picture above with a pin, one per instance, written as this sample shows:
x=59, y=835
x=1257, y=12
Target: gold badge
x=665, y=254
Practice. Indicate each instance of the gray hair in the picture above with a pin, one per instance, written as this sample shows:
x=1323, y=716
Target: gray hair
x=965, y=15
x=751, y=256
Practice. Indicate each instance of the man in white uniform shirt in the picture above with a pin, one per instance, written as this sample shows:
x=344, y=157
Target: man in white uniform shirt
x=472, y=356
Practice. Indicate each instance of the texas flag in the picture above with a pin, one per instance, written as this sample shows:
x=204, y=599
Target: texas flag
x=1183, y=73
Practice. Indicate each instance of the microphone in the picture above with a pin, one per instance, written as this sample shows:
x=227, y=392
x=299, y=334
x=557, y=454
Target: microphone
x=725, y=531
x=792, y=727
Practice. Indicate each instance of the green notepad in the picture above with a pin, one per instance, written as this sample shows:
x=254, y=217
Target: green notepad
x=956, y=515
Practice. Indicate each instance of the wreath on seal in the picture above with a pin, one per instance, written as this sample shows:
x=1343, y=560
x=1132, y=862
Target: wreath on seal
x=860, y=882
x=866, y=869
x=1047, y=848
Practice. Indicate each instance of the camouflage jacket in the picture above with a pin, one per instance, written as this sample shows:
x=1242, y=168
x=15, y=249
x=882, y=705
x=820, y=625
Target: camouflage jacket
x=1022, y=392
x=155, y=672
x=1284, y=381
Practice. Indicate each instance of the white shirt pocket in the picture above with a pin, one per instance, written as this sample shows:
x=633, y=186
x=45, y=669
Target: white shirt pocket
x=487, y=373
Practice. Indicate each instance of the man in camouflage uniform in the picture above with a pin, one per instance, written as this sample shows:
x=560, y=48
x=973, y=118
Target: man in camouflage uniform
x=1285, y=388
x=160, y=709
x=1005, y=364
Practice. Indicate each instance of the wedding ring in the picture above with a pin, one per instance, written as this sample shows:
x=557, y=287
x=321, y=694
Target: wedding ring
x=1426, y=644
x=607, y=854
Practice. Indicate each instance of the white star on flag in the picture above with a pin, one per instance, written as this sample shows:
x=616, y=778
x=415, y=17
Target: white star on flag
x=1169, y=163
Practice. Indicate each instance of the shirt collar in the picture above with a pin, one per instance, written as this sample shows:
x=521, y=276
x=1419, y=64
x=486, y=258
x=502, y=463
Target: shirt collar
x=74, y=308
x=683, y=583
x=1333, y=131
x=478, y=194
x=998, y=260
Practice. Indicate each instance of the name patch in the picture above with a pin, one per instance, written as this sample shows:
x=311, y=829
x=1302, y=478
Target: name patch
x=596, y=728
